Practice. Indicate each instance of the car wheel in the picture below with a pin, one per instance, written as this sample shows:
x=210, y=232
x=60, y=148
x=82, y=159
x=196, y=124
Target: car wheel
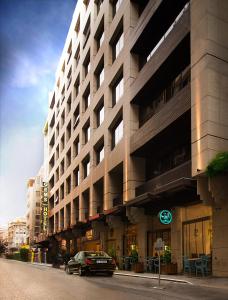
x=68, y=271
x=81, y=272
x=110, y=274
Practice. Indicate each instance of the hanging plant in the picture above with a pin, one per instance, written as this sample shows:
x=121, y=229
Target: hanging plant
x=218, y=165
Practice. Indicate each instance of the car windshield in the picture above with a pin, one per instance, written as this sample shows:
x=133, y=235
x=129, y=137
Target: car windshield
x=96, y=253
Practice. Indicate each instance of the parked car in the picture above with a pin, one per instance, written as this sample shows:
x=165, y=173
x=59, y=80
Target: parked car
x=85, y=262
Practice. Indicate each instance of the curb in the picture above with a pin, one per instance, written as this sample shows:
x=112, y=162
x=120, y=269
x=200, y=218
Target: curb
x=154, y=277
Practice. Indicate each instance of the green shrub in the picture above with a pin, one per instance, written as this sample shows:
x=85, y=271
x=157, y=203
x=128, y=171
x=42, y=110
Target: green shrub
x=16, y=256
x=134, y=255
x=218, y=165
x=24, y=254
x=167, y=255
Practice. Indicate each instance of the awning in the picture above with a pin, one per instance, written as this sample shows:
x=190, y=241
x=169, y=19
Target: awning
x=177, y=192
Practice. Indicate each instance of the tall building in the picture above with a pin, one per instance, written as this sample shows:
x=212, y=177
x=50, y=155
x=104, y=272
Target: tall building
x=4, y=235
x=16, y=233
x=35, y=198
x=138, y=109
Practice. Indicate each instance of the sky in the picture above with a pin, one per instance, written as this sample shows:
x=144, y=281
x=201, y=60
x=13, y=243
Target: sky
x=32, y=36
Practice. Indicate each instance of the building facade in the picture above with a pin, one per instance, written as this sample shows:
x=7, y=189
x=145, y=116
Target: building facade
x=4, y=235
x=138, y=109
x=17, y=233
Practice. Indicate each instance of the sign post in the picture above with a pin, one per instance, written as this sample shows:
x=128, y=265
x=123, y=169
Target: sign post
x=159, y=246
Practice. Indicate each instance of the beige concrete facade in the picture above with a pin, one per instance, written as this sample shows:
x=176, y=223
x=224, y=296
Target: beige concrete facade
x=209, y=60
x=17, y=233
x=135, y=114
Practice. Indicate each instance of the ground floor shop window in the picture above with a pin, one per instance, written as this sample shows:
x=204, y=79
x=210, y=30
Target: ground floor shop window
x=197, y=237
x=130, y=240
x=165, y=235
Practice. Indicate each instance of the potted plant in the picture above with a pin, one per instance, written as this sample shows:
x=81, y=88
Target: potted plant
x=138, y=267
x=167, y=267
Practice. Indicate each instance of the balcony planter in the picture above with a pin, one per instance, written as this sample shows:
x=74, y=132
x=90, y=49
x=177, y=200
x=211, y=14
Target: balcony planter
x=217, y=172
x=138, y=267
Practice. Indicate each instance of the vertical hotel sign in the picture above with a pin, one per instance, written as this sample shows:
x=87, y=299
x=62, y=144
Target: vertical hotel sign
x=44, y=208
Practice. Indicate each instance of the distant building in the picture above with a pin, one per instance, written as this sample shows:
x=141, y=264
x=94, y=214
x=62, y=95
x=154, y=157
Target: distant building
x=17, y=233
x=4, y=235
x=33, y=216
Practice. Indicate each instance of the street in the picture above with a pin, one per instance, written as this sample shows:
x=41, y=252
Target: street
x=19, y=280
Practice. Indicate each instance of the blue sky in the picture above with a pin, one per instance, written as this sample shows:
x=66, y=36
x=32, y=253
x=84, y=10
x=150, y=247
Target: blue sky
x=32, y=36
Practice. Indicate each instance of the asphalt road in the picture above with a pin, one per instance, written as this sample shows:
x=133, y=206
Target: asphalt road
x=22, y=281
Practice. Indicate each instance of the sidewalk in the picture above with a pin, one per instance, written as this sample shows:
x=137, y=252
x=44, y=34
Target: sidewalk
x=209, y=281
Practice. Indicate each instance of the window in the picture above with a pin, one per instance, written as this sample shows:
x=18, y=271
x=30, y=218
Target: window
x=100, y=78
x=115, y=6
x=57, y=130
x=62, y=192
x=76, y=147
x=86, y=98
x=87, y=132
x=99, y=3
x=77, y=57
x=86, y=167
x=62, y=142
x=69, y=78
x=117, y=41
x=117, y=133
x=100, y=114
x=62, y=168
x=63, y=95
x=69, y=104
x=77, y=86
x=117, y=90
x=86, y=3
x=57, y=175
x=68, y=158
x=68, y=131
x=57, y=153
x=63, y=119
x=99, y=73
x=99, y=36
x=86, y=32
x=76, y=177
x=86, y=64
x=100, y=154
x=76, y=118
x=68, y=185
x=69, y=52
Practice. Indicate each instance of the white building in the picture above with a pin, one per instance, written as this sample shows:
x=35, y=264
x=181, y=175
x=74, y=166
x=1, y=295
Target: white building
x=17, y=233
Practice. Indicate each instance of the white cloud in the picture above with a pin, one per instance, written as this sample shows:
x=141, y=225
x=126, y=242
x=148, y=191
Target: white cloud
x=21, y=158
x=27, y=73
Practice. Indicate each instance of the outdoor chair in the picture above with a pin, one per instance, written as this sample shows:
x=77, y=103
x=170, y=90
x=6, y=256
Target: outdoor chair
x=201, y=266
x=187, y=266
x=156, y=265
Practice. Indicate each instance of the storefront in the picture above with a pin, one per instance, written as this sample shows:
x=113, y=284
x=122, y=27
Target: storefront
x=90, y=242
x=130, y=240
x=197, y=237
x=152, y=236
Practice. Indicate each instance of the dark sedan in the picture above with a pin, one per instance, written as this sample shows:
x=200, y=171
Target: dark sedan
x=85, y=262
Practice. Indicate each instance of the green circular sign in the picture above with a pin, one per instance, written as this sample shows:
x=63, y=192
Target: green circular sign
x=165, y=217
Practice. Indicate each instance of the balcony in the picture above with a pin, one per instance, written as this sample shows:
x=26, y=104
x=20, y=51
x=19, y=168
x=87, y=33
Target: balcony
x=170, y=112
x=174, y=48
x=154, y=21
x=171, y=180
